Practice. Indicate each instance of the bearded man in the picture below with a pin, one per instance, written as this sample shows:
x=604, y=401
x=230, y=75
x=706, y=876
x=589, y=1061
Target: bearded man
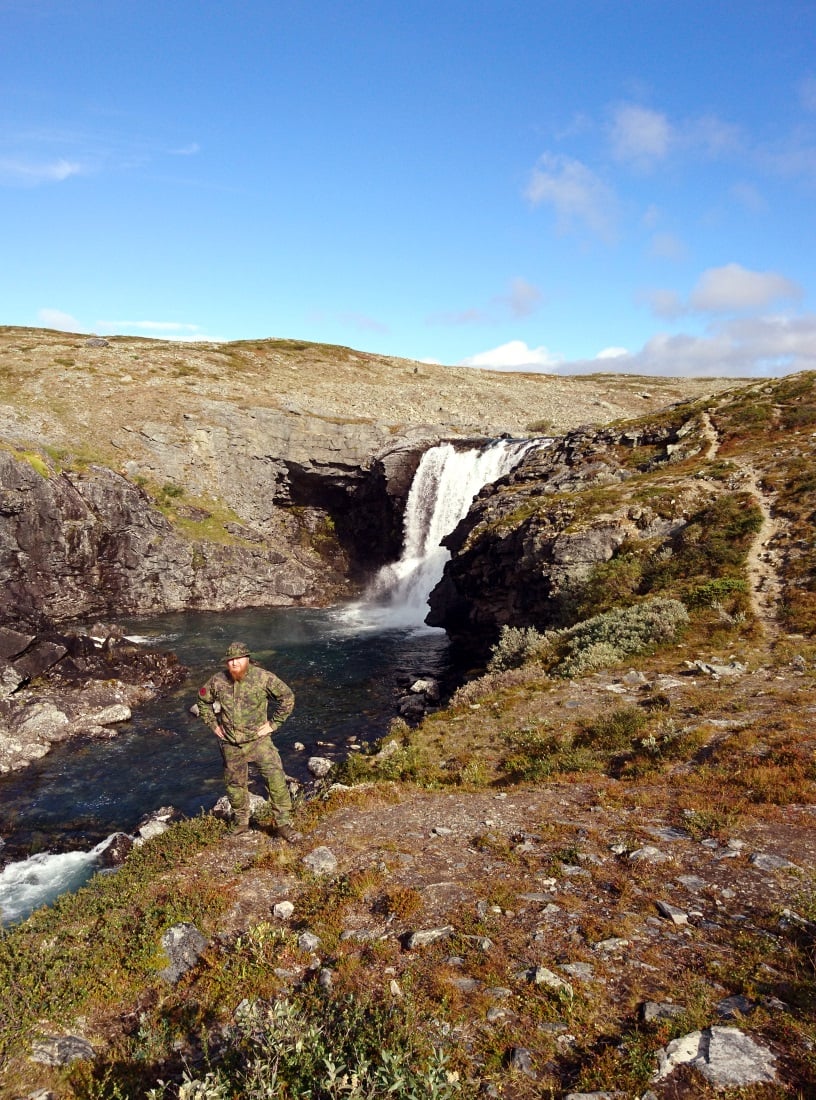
x=234, y=705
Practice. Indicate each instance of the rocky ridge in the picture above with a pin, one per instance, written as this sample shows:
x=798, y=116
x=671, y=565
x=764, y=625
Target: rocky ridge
x=266, y=472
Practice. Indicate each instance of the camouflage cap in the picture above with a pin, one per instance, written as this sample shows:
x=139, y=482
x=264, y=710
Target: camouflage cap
x=236, y=649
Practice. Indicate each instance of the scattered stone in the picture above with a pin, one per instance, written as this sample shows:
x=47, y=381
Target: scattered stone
x=39, y=658
x=596, y=1095
x=183, y=944
x=540, y=975
x=10, y=679
x=13, y=642
x=465, y=985
x=283, y=910
x=308, y=941
x=116, y=851
x=585, y=972
x=441, y=830
x=96, y=342
x=649, y=854
x=325, y=979
x=731, y=1008
x=717, y=671
x=692, y=882
x=298, y=746
x=427, y=687
x=394, y=989
x=669, y=833
x=61, y=1050
x=767, y=862
x=319, y=766
x=154, y=824
x=614, y=943
x=671, y=912
x=423, y=937
x=543, y=899
x=321, y=861
x=725, y=1056
x=522, y=1060
x=650, y=1011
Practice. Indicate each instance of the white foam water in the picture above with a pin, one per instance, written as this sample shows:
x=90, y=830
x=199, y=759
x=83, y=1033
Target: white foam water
x=38, y=880
x=445, y=485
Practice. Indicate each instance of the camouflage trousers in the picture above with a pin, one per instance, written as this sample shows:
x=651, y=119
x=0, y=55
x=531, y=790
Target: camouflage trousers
x=263, y=754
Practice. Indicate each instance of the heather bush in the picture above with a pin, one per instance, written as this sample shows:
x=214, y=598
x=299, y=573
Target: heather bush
x=611, y=637
x=517, y=646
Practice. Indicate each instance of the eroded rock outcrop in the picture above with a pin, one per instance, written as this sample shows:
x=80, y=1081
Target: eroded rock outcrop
x=530, y=538
x=85, y=686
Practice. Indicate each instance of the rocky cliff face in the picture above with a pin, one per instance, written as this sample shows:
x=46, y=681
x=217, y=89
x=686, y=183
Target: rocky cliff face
x=79, y=545
x=533, y=537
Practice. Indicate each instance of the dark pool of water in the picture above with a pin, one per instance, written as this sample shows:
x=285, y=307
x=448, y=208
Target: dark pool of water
x=341, y=670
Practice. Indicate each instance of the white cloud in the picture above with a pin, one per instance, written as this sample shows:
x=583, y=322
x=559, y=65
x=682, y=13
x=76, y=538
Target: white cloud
x=734, y=288
x=612, y=353
x=664, y=303
x=743, y=348
x=189, y=150
x=55, y=318
x=30, y=173
x=639, y=136
x=514, y=355
x=576, y=194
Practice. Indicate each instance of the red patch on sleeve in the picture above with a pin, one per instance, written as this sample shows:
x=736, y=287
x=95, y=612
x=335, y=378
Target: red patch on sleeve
x=202, y=691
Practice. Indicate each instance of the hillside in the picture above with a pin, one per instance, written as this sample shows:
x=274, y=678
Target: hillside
x=596, y=856
x=64, y=388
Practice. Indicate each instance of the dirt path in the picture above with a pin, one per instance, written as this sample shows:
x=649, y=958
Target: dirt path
x=761, y=564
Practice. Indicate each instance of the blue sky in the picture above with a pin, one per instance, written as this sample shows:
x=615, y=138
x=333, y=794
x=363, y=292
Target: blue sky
x=624, y=185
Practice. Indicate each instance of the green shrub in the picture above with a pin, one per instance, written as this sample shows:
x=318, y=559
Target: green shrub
x=517, y=646
x=343, y=1047
x=605, y=639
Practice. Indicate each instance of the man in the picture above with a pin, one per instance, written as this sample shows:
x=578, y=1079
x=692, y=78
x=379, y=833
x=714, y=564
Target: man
x=244, y=731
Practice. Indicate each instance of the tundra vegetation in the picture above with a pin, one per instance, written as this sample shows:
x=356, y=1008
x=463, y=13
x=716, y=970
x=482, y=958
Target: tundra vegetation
x=668, y=697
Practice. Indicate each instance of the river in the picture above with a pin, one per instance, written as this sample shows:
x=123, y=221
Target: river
x=342, y=664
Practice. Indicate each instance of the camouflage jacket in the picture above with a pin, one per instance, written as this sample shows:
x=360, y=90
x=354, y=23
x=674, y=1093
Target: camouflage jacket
x=243, y=703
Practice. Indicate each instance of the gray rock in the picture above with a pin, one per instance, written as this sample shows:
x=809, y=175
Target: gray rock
x=13, y=642
x=61, y=1050
x=766, y=862
x=308, y=941
x=283, y=910
x=649, y=854
x=613, y=944
x=116, y=851
x=321, y=861
x=540, y=975
x=37, y=660
x=731, y=1008
x=425, y=936
x=595, y=1095
x=319, y=766
x=522, y=1060
x=10, y=679
x=650, y=1011
x=671, y=912
x=723, y=1055
x=183, y=945
x=585, y=972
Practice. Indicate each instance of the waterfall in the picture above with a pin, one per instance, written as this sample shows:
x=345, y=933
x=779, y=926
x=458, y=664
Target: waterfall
x=444, y=487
